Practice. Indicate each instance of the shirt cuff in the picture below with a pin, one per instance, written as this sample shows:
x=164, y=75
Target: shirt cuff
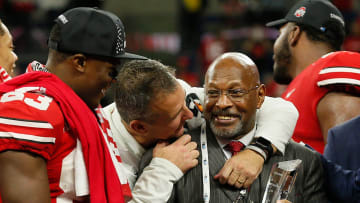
x=171, y=169
x=276, y=120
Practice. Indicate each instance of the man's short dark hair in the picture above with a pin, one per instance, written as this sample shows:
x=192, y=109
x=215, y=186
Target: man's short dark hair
x=139, y=83
x=334, y=39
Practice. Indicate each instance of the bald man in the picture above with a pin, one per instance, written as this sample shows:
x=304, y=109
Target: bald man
x=233, y=93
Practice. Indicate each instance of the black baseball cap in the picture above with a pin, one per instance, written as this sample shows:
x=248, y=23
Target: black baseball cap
x=91, y=31
x=315, y=13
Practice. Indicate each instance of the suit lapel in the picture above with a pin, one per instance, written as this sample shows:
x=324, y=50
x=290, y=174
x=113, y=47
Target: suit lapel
x=216, y=162
x=216, y=155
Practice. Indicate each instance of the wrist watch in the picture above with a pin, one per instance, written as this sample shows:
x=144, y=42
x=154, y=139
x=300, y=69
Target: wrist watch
x=264, y=145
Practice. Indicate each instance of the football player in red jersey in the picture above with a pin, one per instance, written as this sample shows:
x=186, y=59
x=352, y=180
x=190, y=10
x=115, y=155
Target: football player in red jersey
x=322, y=85
x=53, y=147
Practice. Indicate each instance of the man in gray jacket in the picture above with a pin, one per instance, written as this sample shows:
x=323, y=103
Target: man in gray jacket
x=233, y=93
x=151, y=106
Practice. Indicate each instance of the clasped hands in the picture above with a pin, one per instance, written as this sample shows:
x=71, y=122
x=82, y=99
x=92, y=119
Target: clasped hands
x=241, y=170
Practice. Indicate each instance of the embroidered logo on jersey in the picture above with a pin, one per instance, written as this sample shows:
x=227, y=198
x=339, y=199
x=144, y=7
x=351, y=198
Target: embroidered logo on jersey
x=193, y=103
x=36, y=66
x=300, y=12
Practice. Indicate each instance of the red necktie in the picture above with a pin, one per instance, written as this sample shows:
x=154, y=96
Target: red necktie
x=234, y=147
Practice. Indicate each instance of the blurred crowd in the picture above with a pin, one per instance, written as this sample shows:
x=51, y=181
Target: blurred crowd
x=29, y=22
x=202, y=36
x=91, y=122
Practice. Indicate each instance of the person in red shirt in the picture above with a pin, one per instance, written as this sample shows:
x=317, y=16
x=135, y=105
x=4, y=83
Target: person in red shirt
x=322, y=85
x=55, y=146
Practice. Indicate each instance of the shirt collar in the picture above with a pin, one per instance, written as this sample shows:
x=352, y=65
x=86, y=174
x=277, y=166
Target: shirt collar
x=124, y=136
x=246, y=139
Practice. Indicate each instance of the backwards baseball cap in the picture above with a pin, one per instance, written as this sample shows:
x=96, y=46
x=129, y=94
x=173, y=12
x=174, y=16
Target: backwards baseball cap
x=315, y=13
x=91, y=31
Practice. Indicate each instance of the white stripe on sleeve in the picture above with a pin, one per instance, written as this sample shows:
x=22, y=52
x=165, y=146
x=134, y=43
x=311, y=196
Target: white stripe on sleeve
x=340, y=70
x=338, y=81
x=27, y=137
x=25, y=123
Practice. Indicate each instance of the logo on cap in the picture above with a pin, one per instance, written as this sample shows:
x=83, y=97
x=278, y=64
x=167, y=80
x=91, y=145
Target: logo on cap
x=120, y=41
x=300, y=12
x=63, y=19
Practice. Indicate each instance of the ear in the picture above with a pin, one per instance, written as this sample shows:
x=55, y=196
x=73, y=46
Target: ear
x=138, y=126
x=79, y=62
x=261, y=95
x=294, y=35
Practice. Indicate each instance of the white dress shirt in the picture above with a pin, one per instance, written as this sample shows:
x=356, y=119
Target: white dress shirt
x=246, y=139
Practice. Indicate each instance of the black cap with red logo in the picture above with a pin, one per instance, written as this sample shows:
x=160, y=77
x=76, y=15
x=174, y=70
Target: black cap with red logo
x=315, y=13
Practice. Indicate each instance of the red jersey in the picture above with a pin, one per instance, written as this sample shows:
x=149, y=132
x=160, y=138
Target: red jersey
x=338, y=71
x=26, y=126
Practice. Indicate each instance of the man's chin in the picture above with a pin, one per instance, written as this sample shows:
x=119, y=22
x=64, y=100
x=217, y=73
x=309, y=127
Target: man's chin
x=223, y=132
x=227, y=132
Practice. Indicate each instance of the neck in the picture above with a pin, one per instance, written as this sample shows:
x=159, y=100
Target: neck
x=63, y=71
x=139, y=137
x=245, y=133
x=50, y=66
x=307, y=52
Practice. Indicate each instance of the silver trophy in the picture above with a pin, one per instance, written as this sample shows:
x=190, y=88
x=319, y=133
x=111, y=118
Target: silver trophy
x=281, y=180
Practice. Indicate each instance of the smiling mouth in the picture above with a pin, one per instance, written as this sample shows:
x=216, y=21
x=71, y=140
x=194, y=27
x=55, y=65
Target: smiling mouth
x=226, y=120
x=225, y=117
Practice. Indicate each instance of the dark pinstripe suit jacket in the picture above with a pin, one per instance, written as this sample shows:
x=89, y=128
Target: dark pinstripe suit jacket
x=308, y=186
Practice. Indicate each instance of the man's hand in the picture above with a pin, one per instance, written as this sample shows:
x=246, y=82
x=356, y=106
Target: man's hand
x=182, y=152
x=242, y=169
